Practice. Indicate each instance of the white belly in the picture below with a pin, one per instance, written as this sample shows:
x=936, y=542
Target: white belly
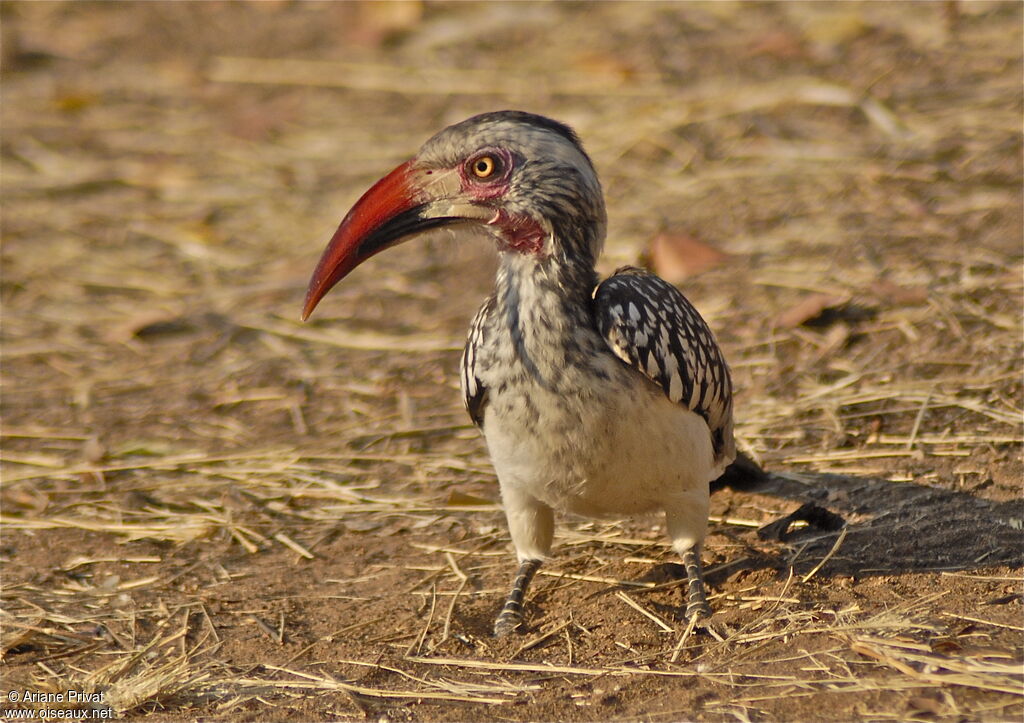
x=626, y=449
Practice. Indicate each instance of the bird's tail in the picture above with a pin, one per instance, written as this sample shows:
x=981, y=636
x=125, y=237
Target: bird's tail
x=743, y=474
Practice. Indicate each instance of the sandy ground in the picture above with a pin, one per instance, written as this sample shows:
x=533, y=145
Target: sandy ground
x=213, y=512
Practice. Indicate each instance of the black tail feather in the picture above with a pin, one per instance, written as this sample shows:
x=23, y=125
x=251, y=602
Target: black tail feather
x=743, y=474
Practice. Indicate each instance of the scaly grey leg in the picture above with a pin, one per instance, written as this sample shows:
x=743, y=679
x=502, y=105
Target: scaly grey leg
x=511, y=615
x=696, y=597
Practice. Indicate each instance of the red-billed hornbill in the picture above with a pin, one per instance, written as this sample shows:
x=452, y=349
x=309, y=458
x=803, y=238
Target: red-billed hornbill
x=599, y=399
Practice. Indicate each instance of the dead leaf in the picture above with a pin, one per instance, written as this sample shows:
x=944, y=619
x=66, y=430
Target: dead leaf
x=676, y=256
x=809, y=308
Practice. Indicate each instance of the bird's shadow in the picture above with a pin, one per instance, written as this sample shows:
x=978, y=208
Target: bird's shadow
x=890, y=528
x=899, y=527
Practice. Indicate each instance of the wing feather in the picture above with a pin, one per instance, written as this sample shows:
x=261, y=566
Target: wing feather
x=651, y=326
x=474, y=393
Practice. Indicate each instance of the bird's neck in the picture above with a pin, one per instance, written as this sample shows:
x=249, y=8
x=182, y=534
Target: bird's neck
x=544, y=313
x=548, y=283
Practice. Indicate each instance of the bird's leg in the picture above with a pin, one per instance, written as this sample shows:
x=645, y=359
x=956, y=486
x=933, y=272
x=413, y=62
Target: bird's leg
x=696, y=597
x=531, y=524
x=511, y=615
x=687, y=521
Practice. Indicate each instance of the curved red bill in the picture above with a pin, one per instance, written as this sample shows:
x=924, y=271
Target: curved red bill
x=389, y=197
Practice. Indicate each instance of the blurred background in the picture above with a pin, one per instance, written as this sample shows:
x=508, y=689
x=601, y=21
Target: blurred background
x=836, y=186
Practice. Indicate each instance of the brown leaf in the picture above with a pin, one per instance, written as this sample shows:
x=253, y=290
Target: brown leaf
x=810, y=307
x=676, y=257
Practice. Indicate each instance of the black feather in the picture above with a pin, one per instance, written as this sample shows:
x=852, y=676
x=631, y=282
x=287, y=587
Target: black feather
x=474, y=393
x=651, y=326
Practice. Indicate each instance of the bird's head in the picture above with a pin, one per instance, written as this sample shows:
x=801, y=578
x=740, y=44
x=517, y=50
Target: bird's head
x=523, y=178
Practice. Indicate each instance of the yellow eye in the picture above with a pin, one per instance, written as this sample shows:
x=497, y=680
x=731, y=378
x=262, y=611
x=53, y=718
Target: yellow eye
x=483, y=166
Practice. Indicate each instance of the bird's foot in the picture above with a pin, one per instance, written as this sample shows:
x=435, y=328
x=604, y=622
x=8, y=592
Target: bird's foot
x=508, y=622
x=511, y=615
x=698, y=611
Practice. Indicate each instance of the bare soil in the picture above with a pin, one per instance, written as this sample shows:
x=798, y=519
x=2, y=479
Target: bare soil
x=211, y=511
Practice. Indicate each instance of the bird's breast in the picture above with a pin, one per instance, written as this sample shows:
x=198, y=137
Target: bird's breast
x=592, y=437
x=568, y=422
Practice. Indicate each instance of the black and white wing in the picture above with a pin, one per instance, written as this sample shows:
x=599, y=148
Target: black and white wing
x=651, y=326
x=474, y=393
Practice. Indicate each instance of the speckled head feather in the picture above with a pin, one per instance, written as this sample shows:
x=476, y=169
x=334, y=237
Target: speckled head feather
x=553, y=180
x=489, y=124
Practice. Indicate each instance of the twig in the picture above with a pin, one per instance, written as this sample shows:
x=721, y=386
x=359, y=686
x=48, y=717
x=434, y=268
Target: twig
x=828, y=556
x=293, y=545
x=529, y=644
x=690, y=625
x=417, y=644
x=917, y=421
x=640, y=609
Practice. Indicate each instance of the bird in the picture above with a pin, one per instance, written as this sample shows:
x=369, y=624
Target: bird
x=599, y=398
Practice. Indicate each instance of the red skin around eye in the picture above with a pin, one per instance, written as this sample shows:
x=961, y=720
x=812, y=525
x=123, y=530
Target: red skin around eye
x=519, y=233
x=488, y=188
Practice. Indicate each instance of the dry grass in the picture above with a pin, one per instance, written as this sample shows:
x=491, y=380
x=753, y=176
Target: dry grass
x=210, y=510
